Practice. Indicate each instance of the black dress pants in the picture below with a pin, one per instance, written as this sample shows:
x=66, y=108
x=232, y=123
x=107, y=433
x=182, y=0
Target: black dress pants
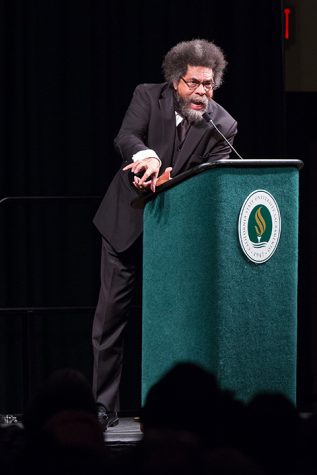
x=119, y=276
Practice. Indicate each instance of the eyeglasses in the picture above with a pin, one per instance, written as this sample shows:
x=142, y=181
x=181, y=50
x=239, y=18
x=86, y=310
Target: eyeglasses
x=194, y=84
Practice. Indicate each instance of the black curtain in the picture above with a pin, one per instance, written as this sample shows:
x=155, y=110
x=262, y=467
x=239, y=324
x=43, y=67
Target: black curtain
x=301, y=114
x=68, y=70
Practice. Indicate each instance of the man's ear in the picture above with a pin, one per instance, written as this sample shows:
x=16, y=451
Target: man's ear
x=175, y=84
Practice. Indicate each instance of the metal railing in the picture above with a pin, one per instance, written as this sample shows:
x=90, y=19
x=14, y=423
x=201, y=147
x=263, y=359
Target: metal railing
x=6, y=419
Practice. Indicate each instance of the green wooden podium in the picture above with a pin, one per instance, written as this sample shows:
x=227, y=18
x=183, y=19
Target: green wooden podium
x=205, y=299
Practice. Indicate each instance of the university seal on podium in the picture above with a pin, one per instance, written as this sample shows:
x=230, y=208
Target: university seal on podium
x=259, y=226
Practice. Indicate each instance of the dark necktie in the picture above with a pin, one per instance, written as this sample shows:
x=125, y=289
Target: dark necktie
x=182, y=130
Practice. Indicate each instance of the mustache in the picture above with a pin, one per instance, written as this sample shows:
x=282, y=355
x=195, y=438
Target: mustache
x=198, y=100
x=194, y=98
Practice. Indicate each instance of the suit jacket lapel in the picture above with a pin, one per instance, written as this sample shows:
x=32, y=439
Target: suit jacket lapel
x=167, y=127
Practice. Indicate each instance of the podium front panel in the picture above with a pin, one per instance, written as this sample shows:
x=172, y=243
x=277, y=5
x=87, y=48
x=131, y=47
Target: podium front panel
x=204, y=301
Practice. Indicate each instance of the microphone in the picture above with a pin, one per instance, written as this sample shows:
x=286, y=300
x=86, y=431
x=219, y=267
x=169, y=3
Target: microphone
x=211, y=123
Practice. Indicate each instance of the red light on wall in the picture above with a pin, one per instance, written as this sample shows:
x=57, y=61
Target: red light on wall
x=287, y=13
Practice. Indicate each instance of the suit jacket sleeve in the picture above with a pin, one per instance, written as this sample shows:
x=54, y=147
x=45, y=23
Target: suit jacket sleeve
x=133, y=132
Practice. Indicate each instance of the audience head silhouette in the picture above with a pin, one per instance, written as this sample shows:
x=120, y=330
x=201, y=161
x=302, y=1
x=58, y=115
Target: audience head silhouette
x=64, y=390
x=188, y=398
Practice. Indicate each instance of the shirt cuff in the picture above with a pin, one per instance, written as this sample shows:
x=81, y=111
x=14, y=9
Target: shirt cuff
x=145, y=154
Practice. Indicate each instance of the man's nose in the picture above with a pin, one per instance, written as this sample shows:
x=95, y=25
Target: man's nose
x=200, y=90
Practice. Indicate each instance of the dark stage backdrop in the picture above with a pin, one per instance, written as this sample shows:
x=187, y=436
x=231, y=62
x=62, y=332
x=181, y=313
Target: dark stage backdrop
x=68, y=70
x=301, y=113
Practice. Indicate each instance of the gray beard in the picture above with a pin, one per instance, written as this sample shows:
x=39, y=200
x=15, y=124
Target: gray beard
x=190, y=114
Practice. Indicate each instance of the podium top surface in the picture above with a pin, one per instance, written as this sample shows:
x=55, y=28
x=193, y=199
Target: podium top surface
x=141, y=201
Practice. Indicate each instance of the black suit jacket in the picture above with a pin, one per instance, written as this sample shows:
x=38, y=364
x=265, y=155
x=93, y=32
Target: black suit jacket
x=149, y=123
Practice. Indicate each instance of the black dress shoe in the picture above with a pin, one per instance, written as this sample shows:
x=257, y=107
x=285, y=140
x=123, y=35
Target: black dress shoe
x=107, y=418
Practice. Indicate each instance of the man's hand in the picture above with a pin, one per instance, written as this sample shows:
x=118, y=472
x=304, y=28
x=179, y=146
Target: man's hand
x=150, y=168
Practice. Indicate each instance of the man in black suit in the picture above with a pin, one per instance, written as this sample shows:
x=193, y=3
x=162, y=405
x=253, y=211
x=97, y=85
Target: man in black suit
x=163, y=131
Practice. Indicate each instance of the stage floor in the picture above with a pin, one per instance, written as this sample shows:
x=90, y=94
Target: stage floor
x=127, y=431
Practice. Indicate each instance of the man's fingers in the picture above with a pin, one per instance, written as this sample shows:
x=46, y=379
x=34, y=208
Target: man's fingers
x=135, y=167
x=137, y=182
x=128, y=167
x=146, y=185
x=150, y=167
x=150, y=173
x=153, y=184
